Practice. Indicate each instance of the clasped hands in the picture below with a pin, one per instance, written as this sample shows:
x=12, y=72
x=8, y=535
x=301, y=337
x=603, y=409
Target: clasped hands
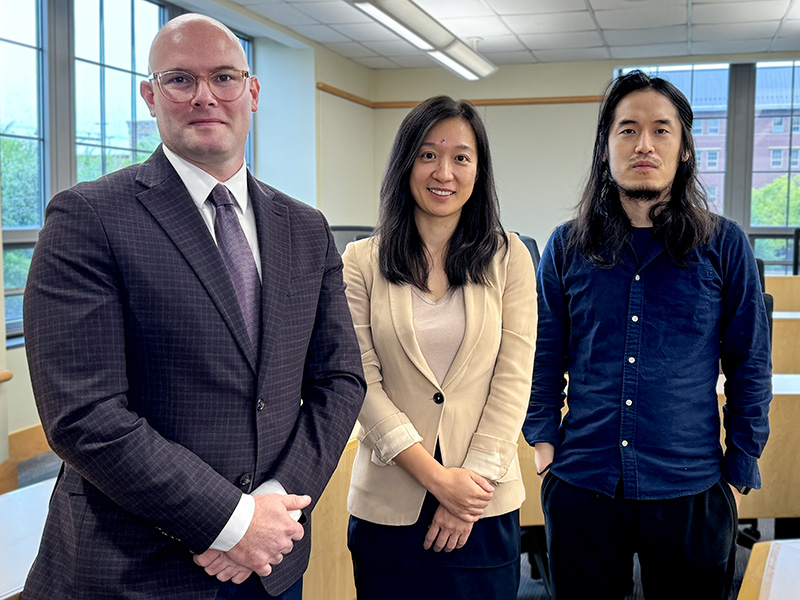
x=463, y=496
x=269, y=538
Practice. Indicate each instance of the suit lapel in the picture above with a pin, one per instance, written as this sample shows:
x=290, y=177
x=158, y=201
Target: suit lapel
x=275, y=245
x=400, y=305
x=475, y=311
x=170, y=204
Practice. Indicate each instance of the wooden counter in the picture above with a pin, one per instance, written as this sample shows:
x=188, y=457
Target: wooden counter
x=22, y=515
x=785, y=290
x=769, y=577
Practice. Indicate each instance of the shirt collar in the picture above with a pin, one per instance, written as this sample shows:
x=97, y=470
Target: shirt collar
x=199, y=183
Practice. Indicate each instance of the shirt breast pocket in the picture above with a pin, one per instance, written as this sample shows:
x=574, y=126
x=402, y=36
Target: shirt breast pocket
x=684, y=298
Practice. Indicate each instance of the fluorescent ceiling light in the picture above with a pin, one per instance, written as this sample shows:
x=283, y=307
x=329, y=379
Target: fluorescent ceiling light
x=426, y=33
x=453, y=65
x=389, y=22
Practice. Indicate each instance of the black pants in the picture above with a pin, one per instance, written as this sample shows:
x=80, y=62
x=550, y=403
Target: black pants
x=686, y=546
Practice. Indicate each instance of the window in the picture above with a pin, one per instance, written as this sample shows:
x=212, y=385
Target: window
x=712, y=162
x=21, y=146
x=712, y=193
x=697, y=127
x=113, y=127
x=713, y=126
x=775, y=194
x=39, y=149
x=699, y=155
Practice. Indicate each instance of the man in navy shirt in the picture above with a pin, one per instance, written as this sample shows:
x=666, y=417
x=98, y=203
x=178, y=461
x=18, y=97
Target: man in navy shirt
x=641, y=297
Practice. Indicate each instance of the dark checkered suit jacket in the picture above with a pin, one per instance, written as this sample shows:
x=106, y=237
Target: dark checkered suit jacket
x=146, y=388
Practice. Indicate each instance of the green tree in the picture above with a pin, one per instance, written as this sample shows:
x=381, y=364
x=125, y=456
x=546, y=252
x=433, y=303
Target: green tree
x=777, y=205
x=20, y=182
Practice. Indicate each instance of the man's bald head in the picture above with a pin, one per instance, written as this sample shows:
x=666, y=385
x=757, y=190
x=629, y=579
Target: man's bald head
x=184, y=27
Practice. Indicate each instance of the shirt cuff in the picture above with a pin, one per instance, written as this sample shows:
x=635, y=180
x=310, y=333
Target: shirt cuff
x=242, y=516
x=237, y=525
x=273, y=486
x=740, y=469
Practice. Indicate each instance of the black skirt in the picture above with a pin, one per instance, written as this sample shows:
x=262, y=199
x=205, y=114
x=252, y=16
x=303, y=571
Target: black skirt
x=390, y=563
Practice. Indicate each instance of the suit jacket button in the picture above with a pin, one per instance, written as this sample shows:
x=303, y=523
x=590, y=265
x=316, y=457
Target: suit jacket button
x=260, y=404
x=244, y=479
x=438, y=397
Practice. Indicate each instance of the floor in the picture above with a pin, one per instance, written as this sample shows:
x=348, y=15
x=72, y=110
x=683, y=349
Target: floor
x=47, y=465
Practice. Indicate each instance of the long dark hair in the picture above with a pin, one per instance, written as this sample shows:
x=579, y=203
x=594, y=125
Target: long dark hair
x=478, y=234
x=682, y=222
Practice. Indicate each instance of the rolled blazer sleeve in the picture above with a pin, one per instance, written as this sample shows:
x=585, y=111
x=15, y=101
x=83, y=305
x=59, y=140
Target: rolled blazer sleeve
x=385, y=429
x=494, y=443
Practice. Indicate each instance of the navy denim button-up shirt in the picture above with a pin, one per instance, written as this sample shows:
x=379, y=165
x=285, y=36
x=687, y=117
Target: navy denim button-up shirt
x=641, y=343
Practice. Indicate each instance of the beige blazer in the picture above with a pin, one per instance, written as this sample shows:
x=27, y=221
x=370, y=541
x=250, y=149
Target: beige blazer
x=476, y=414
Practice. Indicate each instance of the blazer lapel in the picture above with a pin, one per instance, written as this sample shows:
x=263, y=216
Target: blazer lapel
x=475, y=311
x=167, y=199
x=275, y=244
x=400, y=305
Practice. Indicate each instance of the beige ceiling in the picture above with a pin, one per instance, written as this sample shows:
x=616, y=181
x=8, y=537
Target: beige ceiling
x=533, y=31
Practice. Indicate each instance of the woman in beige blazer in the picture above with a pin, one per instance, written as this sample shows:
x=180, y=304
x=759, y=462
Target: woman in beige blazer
x=444, y=305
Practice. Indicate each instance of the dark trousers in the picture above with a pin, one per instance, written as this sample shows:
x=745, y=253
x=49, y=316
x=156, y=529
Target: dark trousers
x=686, y=546
x=251, y=589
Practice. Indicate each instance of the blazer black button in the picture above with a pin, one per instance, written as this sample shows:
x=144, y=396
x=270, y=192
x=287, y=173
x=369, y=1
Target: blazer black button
x=438, y=397
x=244, y=479
x=260, y=404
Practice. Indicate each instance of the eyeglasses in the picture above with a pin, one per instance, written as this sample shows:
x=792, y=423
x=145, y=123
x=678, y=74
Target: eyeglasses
x=225, y=85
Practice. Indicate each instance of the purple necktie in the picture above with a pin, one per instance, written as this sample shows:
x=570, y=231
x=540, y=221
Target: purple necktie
x=238, y=258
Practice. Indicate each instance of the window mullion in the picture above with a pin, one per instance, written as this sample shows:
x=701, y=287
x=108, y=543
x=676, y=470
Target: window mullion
x=741, y=120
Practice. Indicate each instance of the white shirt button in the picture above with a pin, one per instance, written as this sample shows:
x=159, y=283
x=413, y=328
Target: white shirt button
x=624, y=443
x=635, y=319
x=631, y=360
x=637, y=278
x=628, y=402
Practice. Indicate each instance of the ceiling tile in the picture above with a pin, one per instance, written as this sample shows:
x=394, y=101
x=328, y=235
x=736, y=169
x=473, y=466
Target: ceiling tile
x=365, y=32
x=554, y=41
x=574, y=54
x=283, y=14
x=393, y=48
x=529, y=7
x=441, y=9
x=512, y=58
x=787, y=44
x=550, y=23
x=334, y=12
x=655, y=35
x=730, y=46
x=738, y=12
x=350, y=49
x=661, y=15
x=320, y=33
x=423, y=61
x=648, y=51
x=376, y=62
x=476, y=27
x=500, y=43
x=734, y=31
x=634, y=4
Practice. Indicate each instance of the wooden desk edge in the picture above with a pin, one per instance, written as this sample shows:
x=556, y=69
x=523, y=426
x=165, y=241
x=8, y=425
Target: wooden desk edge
x=754, y=573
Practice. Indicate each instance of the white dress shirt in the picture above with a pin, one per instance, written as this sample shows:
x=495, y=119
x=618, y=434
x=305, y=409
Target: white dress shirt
x=199, y=185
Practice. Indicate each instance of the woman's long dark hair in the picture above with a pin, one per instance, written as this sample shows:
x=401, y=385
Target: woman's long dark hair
x=682, y=222
x=478, y=234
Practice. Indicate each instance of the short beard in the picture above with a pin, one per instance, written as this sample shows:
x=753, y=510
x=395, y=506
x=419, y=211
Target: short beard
x=642, y=194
